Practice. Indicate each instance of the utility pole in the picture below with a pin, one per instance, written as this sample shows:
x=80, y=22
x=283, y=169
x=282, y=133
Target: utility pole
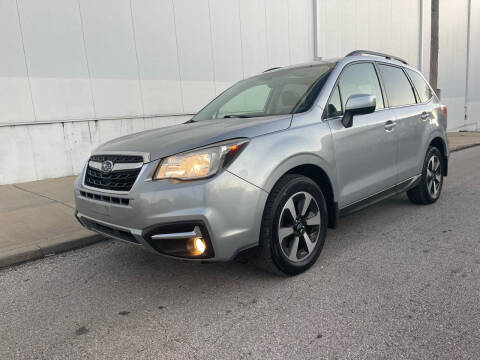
x=434, y=47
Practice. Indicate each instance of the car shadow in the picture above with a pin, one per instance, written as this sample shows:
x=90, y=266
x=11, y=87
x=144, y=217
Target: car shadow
x=152, y=277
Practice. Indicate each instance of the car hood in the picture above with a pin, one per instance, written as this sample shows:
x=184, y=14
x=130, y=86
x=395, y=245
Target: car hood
x=170, y=140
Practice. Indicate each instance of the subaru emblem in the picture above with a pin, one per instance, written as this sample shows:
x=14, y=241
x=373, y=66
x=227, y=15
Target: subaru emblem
x=107, y=166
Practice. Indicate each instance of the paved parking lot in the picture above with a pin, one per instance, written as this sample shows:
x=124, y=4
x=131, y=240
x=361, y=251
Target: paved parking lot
x=394, y=281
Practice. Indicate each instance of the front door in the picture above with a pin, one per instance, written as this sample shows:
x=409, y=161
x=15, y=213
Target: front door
x=366, y=152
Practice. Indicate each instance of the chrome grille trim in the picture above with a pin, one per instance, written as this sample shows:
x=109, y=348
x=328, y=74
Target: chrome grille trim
x=116, y=167
x=144, y=155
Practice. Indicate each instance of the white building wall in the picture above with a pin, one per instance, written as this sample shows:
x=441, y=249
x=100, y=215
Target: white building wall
x=389, y=26
x=15, y=93
x=459, y=79
x=473, y=92
x=76, y=73
x=452, y=59
x=80, y=72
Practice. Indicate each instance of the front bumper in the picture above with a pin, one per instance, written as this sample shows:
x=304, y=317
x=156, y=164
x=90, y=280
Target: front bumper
x=227, y=206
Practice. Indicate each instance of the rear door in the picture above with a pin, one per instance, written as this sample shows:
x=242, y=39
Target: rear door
x=426, y=106
x=366, y=152
x=410, y=120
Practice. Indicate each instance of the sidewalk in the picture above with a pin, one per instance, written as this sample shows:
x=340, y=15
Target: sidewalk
x=37, y=218
x=463, y=140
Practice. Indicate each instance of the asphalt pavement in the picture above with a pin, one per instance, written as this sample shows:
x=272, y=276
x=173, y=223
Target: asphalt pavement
x=394, y=281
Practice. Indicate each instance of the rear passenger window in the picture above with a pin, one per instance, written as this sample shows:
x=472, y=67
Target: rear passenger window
x=422, y=87
x=360, y=79
x=399, y=90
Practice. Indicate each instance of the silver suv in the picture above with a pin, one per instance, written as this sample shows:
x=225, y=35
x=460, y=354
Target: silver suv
x=272, y=162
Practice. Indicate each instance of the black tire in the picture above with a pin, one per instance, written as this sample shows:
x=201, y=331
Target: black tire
x=422, y=193
x=272, y=254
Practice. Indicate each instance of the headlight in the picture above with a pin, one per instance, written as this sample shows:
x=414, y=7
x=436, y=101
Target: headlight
x=199, y=164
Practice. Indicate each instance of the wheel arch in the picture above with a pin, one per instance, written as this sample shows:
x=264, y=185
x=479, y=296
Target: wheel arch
x=323, y=180
x=441, y=145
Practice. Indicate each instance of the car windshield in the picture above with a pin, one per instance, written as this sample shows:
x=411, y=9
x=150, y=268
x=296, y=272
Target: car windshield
x=283, y=91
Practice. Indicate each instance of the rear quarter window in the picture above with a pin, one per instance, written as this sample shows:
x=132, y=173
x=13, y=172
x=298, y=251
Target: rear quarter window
x=423, y=90
x=399, y=90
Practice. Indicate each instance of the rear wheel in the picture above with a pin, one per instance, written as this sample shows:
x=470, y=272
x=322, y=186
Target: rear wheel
x=429, y=189
x=293, y=226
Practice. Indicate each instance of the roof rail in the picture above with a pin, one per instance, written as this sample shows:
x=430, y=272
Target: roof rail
x=374, y=53
x=271, y=69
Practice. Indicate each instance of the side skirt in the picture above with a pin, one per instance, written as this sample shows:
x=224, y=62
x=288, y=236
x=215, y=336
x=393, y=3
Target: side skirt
x=385, y=194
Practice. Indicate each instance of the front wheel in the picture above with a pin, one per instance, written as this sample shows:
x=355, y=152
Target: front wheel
x=430, y=186
x=293, y=226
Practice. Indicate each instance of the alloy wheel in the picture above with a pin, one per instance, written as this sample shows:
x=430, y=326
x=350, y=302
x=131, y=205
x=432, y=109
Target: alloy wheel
x=434, y=176
x=299, y=226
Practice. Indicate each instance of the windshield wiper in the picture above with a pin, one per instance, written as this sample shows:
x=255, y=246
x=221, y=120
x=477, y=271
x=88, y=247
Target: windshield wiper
x=251, y=115
x=236, y=116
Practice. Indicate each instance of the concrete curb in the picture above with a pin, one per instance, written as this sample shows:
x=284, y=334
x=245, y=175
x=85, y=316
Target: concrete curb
x=463, y=147
x=46, y=248
x=20, y=255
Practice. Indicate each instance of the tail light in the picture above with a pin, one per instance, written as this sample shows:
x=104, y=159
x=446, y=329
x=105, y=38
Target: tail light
x=444, y=110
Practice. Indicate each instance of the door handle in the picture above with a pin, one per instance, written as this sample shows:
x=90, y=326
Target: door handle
x=389, y=125
x=425, y=115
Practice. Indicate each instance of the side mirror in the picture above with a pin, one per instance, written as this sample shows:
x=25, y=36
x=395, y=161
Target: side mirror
x=359, y=104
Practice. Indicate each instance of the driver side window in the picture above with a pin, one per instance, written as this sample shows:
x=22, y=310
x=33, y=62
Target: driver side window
x=360, y=79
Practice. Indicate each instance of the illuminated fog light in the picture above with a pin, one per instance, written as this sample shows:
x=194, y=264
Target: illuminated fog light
x=199, y=245
x=180, y=240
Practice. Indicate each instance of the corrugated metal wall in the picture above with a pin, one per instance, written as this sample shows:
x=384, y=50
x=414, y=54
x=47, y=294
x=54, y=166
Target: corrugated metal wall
x=86, y=71
x=402, y=28
x=473, y=93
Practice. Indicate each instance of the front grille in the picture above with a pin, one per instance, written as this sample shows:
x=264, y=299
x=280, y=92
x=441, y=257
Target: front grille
x=118, y=180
